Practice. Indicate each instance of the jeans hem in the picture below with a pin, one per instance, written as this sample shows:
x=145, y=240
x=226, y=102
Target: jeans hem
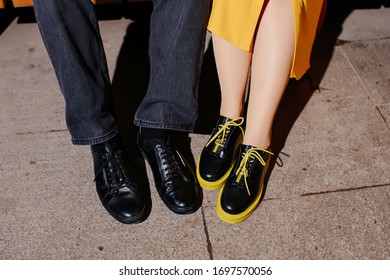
x=159, y=125
x=96, y=140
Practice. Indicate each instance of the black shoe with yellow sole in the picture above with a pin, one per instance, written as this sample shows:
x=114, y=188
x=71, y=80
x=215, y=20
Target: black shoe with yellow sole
x=216, y=159
x=243, y=189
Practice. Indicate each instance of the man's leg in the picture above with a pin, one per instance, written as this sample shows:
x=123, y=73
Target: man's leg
x=71, y=35
x=176, y=49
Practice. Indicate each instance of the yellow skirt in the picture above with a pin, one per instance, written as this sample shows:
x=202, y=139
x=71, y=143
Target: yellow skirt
x=236, y=21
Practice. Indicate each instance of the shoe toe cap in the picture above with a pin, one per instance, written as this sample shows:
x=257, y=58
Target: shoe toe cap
x=127, y=209
x=213, y=169
x=233, y=202
x=184, y=198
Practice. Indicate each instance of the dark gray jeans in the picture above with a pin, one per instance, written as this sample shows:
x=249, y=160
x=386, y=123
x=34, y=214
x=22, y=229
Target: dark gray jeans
x=71, y=35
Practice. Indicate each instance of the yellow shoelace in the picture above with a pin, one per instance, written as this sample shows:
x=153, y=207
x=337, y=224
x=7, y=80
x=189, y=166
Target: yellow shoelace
x=224, y=130
x=251, y=155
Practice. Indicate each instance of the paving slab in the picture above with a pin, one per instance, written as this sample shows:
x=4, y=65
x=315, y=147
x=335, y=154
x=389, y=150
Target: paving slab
x=339, y=225
x=338, y=141
x=30, y=94
x=334, y=175
x=366, y=24
x=370, y=61
x=50, y=209
x=329, y=199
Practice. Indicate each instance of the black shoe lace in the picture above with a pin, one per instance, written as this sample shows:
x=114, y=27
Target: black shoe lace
x=116, y=177
x=171, y=166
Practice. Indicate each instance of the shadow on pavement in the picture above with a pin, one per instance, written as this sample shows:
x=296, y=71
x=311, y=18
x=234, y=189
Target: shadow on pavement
x=130, y=78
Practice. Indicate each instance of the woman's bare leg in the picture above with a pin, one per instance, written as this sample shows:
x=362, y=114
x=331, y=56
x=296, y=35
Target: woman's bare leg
x=233, y=67
x=271, y=65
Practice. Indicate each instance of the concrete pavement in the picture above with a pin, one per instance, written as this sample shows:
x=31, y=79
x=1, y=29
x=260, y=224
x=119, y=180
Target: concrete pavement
x=328, y=194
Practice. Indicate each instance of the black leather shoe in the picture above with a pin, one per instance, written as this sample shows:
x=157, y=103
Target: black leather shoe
x=115, y=184
x=217, y=157
x=174, y=179
x=244, y=187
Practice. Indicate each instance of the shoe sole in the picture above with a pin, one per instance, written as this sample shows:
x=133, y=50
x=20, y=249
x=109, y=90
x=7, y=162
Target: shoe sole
x=240, y=217
x=215, y=185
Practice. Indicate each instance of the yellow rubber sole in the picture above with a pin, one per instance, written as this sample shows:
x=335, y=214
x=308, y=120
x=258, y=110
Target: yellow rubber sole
x=212, y=186
x=238, y=218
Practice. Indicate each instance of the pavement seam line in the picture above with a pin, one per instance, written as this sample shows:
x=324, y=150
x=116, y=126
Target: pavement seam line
x=383, y=117
x=358, y=76
x=206, y=231
x=41, y=132
x=346, y=190
x=332, y=191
